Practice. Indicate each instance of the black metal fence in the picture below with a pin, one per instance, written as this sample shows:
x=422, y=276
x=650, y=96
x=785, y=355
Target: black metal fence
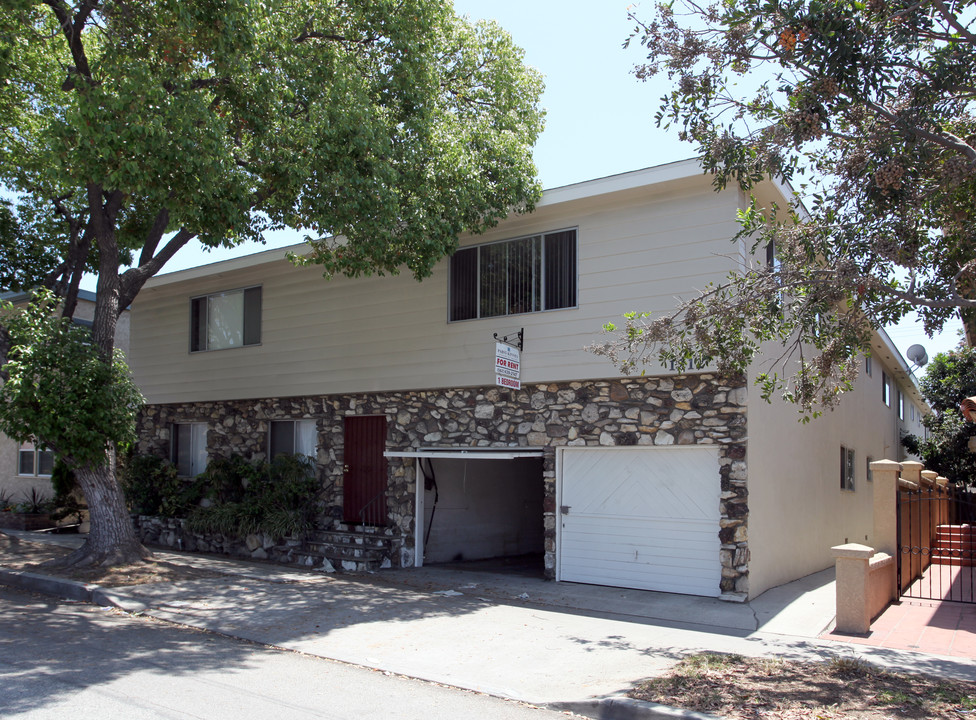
x=936, y=540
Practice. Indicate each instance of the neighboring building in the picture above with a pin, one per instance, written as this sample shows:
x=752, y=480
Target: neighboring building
x=684, y=483
x=27, y=466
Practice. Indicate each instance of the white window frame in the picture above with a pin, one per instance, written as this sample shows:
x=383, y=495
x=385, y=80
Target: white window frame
x=201, y=336
x=35, y=452
x=541, y=281
x=198, y=448
x=304, y=437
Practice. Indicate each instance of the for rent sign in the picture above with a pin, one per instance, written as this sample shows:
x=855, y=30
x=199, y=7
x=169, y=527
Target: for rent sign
x=507, y=361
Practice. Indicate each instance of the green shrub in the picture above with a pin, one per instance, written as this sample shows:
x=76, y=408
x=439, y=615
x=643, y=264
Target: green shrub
x=67, y=495
x=276, y=498
x=153, y=486
x=34, y=503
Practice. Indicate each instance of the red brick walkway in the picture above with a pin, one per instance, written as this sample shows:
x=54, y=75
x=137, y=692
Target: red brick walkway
x=929, y=626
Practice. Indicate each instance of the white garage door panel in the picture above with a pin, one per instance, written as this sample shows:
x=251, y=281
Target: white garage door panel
x=662, y=582
x=644, y=518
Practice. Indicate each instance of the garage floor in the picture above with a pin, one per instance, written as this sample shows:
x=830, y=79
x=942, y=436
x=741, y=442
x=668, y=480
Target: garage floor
x=530, y=565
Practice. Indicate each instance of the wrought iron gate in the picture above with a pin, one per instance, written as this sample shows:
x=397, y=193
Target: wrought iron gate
x=936, y=541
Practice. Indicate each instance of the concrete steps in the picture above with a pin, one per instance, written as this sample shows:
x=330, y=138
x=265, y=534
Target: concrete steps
x=955, y=545
x=355, y=549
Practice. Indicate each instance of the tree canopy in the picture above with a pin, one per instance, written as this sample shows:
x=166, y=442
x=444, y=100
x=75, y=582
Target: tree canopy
x=58, y=388
x=382, y=129
x=394, y=124
x=948, y=379
x=866, y=108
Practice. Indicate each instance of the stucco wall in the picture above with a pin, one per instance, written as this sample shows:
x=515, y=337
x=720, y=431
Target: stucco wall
x=798, y=509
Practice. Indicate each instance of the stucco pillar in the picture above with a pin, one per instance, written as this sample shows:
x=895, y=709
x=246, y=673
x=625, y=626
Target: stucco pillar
x=853, y=613
x=912, y=471
x=928, y=478
x=885, y=537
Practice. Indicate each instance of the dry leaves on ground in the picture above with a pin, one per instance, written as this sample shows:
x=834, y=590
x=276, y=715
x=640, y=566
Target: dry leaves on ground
x=19, y=554
x=740, y=688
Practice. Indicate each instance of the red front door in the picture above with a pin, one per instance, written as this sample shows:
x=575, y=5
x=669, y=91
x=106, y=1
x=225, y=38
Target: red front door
x=364, y=475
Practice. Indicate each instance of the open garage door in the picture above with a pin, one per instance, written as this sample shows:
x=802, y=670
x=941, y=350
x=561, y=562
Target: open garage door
x=645, y=518
x=477, y=504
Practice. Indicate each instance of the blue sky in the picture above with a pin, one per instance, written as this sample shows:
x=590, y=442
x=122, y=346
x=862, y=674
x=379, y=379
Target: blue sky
x=600, y=118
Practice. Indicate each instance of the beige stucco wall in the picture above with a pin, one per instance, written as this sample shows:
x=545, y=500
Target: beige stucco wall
x=797, y=509
x=638, y=250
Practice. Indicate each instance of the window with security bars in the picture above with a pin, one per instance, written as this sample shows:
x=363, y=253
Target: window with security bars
x=846, y=468
x=523, y=275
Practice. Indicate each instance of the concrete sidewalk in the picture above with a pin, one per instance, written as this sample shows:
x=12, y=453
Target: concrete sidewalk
x=558, y=644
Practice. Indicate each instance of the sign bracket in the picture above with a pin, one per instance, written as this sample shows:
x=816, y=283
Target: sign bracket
x=509, y=339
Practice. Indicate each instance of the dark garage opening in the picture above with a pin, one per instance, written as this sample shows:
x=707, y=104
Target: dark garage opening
x=487, y=515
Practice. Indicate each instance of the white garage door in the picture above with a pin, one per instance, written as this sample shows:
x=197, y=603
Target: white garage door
x=645, y=518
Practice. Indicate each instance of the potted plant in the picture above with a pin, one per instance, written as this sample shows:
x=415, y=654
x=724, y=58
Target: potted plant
x=33, y=513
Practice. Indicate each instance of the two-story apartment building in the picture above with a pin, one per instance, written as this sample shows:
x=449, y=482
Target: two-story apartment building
x=677, y=482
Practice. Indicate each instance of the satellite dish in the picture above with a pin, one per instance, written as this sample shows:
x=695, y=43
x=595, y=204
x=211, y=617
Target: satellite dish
x=917, y=354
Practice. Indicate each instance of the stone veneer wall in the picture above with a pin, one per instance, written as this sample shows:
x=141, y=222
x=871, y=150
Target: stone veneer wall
x=648, y=411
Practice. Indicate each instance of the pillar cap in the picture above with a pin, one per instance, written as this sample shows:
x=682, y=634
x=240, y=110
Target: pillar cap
x=854, y=551
x=885, y=465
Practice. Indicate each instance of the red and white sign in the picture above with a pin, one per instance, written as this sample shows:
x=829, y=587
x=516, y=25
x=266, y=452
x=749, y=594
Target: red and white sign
x=507, y=364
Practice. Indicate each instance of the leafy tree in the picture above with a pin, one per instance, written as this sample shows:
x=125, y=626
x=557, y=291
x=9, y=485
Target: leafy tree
x=59, y=389
x=130, y=127
x=867, y=108
x=948, y=379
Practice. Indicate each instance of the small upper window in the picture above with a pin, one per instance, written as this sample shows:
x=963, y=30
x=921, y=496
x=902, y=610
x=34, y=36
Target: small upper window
x=523, y=275
x=188, y=449
x=846, y=468
x=225, y=320
x=901, y=405
x=867, y=365
x=870, y=472
x=296, y=437
x=885, y=389
x=34, y=461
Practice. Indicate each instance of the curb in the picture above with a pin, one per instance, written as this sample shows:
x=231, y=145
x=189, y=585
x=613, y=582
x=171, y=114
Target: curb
x=69, y=589
x=621, y=707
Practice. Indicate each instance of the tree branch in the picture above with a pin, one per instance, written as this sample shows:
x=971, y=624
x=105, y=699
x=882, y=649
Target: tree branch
x=154, y=236
x=134, y=278
x=72, y=31
x=952, y=20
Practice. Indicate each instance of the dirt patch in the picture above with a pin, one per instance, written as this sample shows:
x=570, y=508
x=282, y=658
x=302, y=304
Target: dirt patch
x=741, y=688
x=19, y=554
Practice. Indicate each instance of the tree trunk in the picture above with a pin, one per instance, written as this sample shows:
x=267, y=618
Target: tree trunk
x=111, y=540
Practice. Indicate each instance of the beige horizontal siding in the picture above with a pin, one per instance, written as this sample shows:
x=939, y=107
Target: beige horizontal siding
x=637, y=252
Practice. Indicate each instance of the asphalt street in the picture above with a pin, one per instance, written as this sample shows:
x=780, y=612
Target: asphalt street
x=72, y=660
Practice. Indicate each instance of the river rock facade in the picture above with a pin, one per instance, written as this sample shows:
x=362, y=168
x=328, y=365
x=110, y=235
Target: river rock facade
x=692, y=409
